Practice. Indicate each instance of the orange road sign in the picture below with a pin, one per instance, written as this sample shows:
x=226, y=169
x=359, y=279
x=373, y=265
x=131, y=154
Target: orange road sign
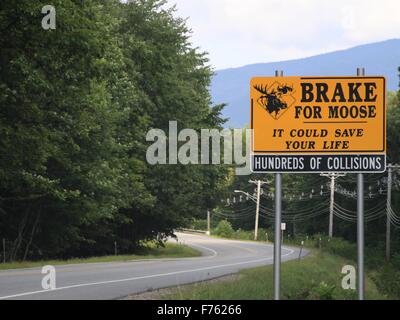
x=318, y=124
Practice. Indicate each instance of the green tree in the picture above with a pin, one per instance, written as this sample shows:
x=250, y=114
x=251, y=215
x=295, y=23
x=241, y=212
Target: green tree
x=76, y=103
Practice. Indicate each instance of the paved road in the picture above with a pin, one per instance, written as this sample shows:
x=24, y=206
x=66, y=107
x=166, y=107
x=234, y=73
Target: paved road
x=114, y=280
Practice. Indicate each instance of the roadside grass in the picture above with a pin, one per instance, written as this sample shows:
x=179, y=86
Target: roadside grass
x=386, y=275
x=149, y=251
x=316, y=277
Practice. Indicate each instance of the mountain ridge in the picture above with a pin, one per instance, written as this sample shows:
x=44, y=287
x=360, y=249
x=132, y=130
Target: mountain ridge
x=231, y=85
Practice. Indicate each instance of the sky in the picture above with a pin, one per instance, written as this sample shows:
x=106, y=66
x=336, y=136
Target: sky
x=241, y=32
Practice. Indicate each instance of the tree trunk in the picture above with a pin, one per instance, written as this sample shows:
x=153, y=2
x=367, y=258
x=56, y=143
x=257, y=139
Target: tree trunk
x=18, y=240
x=31, y=236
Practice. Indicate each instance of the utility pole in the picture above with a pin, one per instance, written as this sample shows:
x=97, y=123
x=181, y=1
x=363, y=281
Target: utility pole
x=259, y=183
x=333, y=176
x=257, y=210
x=4, y=250
x=208, y=223
x=390, y=168
x=294, y=227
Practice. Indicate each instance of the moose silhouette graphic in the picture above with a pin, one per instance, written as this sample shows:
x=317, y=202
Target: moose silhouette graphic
x=272, y=101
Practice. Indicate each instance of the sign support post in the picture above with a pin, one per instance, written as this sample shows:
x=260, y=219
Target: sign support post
x=360, y=223
x=278, y=220
x=360, y=234
x=277, y=241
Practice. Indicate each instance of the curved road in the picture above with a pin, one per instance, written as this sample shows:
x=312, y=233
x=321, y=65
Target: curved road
x=114, y=280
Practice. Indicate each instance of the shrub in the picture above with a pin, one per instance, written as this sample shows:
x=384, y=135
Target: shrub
x=341, y=248
x=396, y=261
x=323, y=291
x=388, y=280
x=243, y=235
x=224, y=229
x=198, y=224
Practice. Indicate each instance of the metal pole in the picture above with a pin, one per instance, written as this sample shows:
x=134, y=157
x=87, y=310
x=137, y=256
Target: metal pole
x=331, y=206
x=277, y=242
x=301, y=249
x=360, y=234
x=333, y=177
x=257, y=209
x=208, y=222
x=388, y=205
x=278, y=220
x=4, y=250
x=360, y=223
x=294, y=227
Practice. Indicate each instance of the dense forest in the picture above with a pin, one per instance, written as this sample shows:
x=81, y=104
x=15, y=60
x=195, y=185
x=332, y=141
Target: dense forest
x=76, y=104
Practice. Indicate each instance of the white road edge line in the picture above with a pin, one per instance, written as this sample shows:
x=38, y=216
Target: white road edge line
x=142, y=277
x=68, y=265
x=214, y=253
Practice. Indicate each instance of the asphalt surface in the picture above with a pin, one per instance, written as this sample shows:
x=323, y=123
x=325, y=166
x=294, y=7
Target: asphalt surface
x=113, y=280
